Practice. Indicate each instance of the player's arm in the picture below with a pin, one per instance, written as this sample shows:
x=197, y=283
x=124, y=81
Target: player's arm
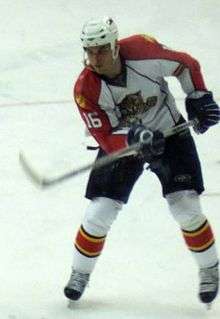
x=161, y=61
x=200, y=103
x=180, y=65
x=99, y=126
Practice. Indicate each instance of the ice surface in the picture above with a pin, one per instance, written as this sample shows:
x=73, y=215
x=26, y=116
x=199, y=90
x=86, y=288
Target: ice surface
x=145, y=270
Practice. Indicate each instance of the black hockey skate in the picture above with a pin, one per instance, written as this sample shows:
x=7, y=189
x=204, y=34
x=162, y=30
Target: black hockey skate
x=76, y=285
x=209, y=283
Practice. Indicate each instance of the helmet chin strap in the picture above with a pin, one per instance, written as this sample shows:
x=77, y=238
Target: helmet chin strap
x=115, y=52
x=85, y=60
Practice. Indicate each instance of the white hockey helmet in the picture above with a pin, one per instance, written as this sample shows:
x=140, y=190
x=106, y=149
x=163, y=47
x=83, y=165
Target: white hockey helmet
x=99, y=32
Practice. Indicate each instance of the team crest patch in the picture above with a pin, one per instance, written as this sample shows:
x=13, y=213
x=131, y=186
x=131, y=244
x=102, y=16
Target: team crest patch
x=148, y=38
x=81, y=101
x=133, y=106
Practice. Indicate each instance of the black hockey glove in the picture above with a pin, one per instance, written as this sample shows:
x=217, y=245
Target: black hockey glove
x=205, y=110
x=152, y=144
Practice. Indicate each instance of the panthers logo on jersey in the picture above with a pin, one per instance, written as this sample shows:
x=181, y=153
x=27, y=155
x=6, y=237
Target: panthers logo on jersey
x=133, y=106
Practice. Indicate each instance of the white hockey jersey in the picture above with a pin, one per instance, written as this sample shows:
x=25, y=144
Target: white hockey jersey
x=140, y=92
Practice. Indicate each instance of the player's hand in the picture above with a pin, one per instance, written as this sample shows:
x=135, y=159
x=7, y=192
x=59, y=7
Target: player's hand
x=204, y=109
x=152, y=144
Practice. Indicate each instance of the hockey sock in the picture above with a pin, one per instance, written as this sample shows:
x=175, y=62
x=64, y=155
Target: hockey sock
x=87, y=248
x=87, y=244
x=201, y=242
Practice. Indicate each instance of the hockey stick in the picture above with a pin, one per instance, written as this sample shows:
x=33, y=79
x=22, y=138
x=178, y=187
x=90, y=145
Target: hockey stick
x=44, y=182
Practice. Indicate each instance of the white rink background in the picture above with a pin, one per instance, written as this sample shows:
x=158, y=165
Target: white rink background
x=145, y=270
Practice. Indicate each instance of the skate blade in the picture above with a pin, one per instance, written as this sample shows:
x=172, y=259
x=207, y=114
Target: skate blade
x=71, y=304
x=209, y=306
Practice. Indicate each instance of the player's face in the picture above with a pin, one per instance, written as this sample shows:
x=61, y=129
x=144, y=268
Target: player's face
x=100, y=58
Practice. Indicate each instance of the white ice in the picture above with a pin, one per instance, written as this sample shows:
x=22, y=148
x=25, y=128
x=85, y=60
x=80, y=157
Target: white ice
x=145, y=270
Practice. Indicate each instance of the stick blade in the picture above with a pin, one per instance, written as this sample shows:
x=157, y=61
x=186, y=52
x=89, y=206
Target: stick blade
x=32, y=174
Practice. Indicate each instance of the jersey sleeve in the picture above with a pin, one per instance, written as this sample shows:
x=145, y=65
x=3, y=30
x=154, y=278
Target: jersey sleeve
x=86, y=95
x=184, y=67
x=166, y=62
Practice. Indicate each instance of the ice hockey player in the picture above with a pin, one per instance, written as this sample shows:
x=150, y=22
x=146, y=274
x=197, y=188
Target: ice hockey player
x=123, y=97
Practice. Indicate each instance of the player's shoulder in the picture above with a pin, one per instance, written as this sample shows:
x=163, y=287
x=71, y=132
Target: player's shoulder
x=87, y=81
x=88, y=86
x=139, y=46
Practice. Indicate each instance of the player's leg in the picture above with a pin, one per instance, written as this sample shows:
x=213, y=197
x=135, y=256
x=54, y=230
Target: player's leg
x=89, y=242
x=199, y=238
x=180, y=174
x=108, y=188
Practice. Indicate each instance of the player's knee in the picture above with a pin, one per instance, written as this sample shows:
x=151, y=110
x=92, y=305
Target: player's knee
x=100, y=214
x=185, y=208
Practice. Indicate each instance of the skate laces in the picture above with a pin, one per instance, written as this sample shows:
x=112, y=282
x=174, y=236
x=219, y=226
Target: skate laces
x=78, y=281
x=209, y=279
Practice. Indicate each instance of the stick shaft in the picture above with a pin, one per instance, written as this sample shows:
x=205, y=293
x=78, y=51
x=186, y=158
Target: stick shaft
x=103, y=161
